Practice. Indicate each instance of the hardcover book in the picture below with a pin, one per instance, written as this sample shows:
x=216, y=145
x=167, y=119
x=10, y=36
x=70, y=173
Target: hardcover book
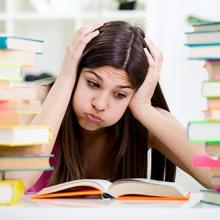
x=25, y=162
x=24, y=135
x=11, y=191
x=21, y=43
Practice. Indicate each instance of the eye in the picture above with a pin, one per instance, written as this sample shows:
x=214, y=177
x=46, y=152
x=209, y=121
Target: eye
x=92, y=84
x=120, y=95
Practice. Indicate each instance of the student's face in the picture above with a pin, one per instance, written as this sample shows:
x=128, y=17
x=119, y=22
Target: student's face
x=101, y=97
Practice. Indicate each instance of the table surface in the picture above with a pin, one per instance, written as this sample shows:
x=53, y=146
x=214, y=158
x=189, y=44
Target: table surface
x=109, y=209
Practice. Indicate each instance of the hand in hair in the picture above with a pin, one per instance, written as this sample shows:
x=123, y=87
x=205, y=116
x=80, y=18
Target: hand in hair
x=75, y=49
x=142, y=97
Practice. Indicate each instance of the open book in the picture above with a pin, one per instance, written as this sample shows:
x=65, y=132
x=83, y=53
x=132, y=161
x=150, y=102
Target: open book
x=137, y=188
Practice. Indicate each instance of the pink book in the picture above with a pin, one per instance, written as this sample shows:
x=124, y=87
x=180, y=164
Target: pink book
x=201, y=160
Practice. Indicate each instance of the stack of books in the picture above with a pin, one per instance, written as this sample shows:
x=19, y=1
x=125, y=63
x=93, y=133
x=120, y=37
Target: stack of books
x=204, y=44
x=19, y=103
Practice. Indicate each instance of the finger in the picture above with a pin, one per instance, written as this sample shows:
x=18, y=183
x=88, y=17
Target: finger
x=150, y=58
x=81, y=43
x=156, y=54
x=153, y=70
x=91, y=28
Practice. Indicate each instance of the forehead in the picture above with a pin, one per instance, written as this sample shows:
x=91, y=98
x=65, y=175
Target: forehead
x=109, y=73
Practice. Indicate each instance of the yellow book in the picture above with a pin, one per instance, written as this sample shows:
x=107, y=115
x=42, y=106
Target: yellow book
x=22, y=135
x=11, y=191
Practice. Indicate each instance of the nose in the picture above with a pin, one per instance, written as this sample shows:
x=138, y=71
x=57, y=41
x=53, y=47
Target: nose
x=99, y=102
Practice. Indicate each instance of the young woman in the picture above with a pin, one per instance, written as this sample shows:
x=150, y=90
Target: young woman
x=106, y=110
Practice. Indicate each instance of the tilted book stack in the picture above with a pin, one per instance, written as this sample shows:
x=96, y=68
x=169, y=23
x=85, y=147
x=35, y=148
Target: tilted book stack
x=204, y=44
x=19, y=102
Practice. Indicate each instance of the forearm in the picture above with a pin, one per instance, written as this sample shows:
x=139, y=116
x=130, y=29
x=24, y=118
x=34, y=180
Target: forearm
x=55, y=105
x=175, y=144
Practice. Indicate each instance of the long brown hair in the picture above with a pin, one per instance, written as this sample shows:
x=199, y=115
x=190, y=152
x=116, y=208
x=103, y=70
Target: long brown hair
x=122, y=46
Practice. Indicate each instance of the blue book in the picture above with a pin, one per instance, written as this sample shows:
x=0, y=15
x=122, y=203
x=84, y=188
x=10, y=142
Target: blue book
x=213, y=25
x=21, y=43
x=203, y=37
x=207, y=51
x=211, y=197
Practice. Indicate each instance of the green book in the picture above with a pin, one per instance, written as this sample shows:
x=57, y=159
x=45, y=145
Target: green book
x=203, y=131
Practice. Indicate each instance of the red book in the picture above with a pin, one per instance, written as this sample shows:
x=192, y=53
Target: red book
x=201, y=160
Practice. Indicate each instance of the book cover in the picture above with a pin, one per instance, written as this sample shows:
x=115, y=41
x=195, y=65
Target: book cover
x=29, y=92
x=213, y=102
x=21, y=150
x=24, y=135
x=21, y=43
x=13, y=118
x=211, y=25
x=211, y=88
x=201, y=160
x=11, y=191
x=21, y=106
x=25, y=162
x=10, y=72
x=213, y=69
x=213, y=149
x=212, y=114
x=211, y=197
x=21, y=58
x=203, y=131
x=131, y=188
x=202, y=37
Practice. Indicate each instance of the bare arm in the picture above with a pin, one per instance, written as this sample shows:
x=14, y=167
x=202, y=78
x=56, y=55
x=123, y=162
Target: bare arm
x=56, y=102
x=169, y=137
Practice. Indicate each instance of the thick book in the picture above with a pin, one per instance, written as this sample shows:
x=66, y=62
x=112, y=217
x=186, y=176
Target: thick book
x=21, y=58
x=215, y=180
x=30, y=92
x=203, y=131
x=133, y=188
x=24, y=135
x=213, y=69
x=213, y=102
x=204, y=51
x=34, y=162
x=38, y=82
x=212, y=114
x=20, y=106
x=210, y=197
x=207, y=25
x=211, y=88
x=13, y=118
x=203, y=37
x=11, y=191
x=21, y=43
x=213, y=149
x=10, y=72
x=20, y=150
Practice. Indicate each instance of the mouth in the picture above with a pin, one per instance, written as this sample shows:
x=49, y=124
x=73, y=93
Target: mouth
x=93, y=118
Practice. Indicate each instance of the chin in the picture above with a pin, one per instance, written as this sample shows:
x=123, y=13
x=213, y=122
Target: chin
x=90, y=127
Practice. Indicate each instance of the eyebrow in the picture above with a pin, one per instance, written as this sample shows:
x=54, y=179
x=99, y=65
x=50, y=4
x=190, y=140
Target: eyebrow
x=100, y=78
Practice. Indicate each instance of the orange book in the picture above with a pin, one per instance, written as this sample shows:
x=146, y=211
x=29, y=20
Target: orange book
x=21, y=106
x=213, y=102
x=212, y=113
x=12, y=118
x=213, y=69
x=121, y=189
